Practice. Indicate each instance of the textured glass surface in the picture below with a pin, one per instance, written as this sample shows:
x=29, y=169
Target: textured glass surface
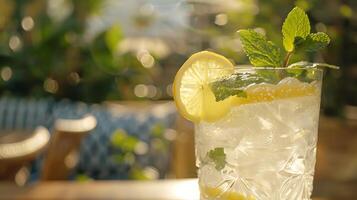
x=269, y=148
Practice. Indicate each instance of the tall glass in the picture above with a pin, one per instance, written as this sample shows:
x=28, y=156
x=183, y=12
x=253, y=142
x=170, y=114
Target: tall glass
x=264, y=148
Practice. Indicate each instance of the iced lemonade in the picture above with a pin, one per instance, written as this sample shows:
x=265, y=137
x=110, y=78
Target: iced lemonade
x=255, y=127
x=264, y=148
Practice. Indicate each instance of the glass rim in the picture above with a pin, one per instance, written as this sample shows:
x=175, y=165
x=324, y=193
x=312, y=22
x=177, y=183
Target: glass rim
x=251, y=67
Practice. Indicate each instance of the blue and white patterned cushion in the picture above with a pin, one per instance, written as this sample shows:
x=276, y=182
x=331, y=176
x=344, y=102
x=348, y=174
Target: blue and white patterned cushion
x=96, y=150
x=24, y=114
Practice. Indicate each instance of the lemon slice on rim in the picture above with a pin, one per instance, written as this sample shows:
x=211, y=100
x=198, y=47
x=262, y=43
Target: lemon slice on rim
x=192, y=93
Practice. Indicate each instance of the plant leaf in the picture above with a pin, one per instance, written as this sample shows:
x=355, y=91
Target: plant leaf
x=313, y=42
x=217, y=156
x=260, y=51
x=234, y=85
x=296, y=25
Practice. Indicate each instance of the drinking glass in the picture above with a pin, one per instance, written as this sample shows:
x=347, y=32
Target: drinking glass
x=264, y=148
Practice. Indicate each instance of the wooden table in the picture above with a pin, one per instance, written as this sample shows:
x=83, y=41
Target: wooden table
x=180, y=189
x=186, y=189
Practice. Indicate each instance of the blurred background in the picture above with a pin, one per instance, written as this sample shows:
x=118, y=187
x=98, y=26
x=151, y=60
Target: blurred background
x=130, y=50
x=111, y=63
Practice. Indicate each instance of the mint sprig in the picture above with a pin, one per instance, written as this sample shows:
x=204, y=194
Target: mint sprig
x=296, y=37
x=261, y=52
x=218, y=157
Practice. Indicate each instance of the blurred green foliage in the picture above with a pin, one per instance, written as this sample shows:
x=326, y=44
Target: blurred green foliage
x=44, y=52
x=129, y=149
x=55, y=51
x=83, y=178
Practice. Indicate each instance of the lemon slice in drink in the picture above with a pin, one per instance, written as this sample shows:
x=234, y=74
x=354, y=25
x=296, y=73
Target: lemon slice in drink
x=287, y=88
x=192, y=93
x=219, y=194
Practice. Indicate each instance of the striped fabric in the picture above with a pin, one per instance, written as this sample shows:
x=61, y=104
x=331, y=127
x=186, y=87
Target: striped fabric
x=96, y=153
x=24, y=114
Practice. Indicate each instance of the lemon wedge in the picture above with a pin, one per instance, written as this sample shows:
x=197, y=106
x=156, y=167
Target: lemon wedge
x=191, y=91
x=219, y=194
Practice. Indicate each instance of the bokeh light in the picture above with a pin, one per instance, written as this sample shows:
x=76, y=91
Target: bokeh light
x=151, y=173
x=74, y=78
x=15, y=43
x=50, y=85
x=152, y=91
x=141, y=148
x=141, y=90
x=169, y=90
x=221, y=19
x=27, y=23
x=6, y=73
x=146, y=59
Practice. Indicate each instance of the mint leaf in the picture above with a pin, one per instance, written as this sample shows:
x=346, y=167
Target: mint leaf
x=221, y=92
x=263, y=53
x=217, y=156
x=260, y=51
x=296, y=25
x=234, y=85
x=313, y=42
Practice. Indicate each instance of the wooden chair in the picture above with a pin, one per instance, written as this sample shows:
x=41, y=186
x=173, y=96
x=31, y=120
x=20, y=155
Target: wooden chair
x=184, y=150
x=17, y=149
x=62, y=153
